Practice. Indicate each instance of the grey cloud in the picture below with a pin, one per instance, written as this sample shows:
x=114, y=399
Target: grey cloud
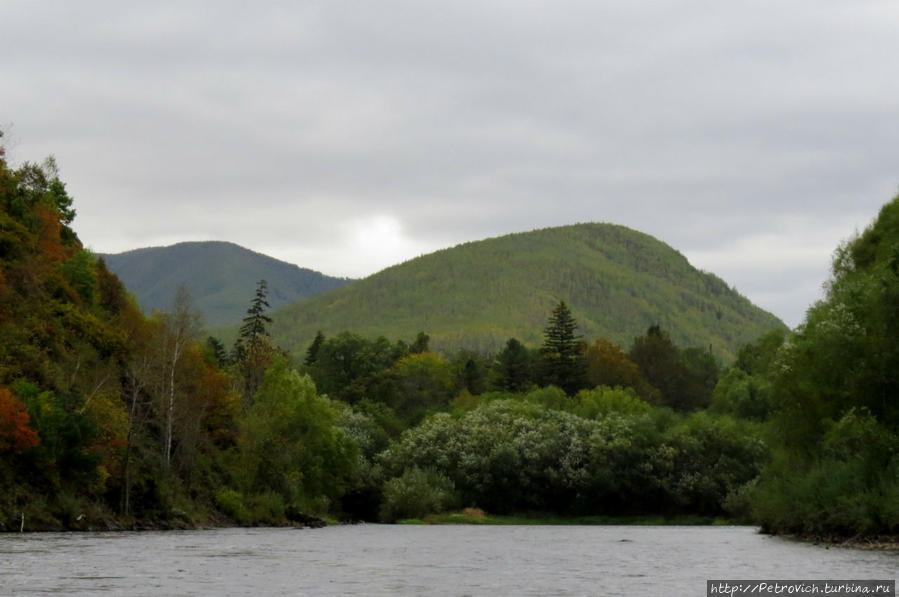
x=274, y=125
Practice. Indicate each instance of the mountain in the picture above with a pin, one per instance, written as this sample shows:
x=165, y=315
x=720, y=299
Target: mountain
x=477, y=295
x=220, y=276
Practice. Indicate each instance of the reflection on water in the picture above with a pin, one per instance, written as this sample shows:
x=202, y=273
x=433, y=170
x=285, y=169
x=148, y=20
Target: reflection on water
x=418, y=560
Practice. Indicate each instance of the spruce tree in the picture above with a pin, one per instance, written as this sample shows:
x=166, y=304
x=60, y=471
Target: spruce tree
x=512, y=369
x=255, y=324
x=253, y=349
x=312, y=351
x=561, y=357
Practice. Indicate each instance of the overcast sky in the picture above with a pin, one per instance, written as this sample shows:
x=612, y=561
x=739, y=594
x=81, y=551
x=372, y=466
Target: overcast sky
x=751, y=135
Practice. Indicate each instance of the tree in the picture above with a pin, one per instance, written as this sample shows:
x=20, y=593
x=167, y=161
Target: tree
x=472, y=372
x=561, y=357
x=347, y=364
x=216, y=351
x=182, y=326
x=312, y=351
x=608, y=365
x=253, y=350
x=421, y=343
x=255, y=324
x=657, y=357
x=701, y=376
x=16, y=434
x=513, y=368
x=756, y=358
x=423, y=382
x=290, y=443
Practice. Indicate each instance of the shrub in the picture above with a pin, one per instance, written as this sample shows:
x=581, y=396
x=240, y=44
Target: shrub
x=230, y=503
x=267, y=508
x=415, y=494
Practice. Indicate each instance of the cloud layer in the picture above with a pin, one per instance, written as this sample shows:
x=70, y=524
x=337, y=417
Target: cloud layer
x=752, y=136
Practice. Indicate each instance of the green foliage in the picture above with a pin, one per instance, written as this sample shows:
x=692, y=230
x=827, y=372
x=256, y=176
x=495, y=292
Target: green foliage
x=835, y=384
x=80, y=272
x=312, y=351
x=106, y=411
x=231, y=503
x=510, y=455
x=255, y=324
x=757, y=358
x=290, y=443
x=513, y=369
x=423, y=382
x=347, y=365
x=684, y=378
x=561, y=356
x=415, y=494
x=478, y=295
x=742, y=395
x=603, y=400
x=253, y=350
x=218, y=275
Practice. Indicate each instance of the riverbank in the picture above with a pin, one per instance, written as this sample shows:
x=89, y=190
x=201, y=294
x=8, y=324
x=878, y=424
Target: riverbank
x=878, y=543
x=479, y=517
x=475, y=516
x=98, y=520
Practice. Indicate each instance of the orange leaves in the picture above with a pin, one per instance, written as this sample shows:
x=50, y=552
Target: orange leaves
x=49, y=235
x=15, y=433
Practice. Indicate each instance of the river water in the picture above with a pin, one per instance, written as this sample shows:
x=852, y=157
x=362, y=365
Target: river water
x=418, y=560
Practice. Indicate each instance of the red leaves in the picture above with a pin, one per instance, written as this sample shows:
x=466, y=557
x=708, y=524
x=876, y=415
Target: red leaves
x=15, y=433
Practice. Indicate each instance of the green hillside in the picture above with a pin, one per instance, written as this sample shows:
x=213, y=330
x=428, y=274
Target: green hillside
x=477, y=295
x=220, y=276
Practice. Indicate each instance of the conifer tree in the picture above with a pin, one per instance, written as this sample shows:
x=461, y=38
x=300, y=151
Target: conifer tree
x=512, y=369
x=561, y=357
x=254, y=327
x=253, y=349
x=312, y=351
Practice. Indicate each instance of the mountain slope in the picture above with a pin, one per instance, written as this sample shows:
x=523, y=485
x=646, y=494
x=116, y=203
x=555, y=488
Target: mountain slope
x=477, y=295
x=220, y=276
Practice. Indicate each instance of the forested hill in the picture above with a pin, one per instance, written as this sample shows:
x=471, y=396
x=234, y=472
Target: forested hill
x=477, y=295
x=220, y=276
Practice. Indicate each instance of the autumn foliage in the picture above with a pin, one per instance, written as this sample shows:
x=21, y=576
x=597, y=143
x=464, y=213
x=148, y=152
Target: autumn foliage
x=16, y=435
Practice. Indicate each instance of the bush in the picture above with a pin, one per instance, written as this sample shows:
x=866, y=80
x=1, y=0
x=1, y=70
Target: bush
x=230, y=503
x=417, y=493
x=267, y=508
x=603, y=400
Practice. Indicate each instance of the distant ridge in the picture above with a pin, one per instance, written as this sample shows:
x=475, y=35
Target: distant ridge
x=617, y=282
x=220, y=276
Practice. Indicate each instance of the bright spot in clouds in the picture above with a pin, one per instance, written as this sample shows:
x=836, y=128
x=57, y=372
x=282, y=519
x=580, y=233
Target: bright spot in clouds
x=379, y=242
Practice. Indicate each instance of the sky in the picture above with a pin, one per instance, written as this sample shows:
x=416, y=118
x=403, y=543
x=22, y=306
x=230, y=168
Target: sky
x=753, y=136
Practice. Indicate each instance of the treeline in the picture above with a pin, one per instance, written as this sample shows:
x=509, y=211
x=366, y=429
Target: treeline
x=112, y=419
x=109, y=418
x=568, y=427
x=834, y=389
x=410, y=380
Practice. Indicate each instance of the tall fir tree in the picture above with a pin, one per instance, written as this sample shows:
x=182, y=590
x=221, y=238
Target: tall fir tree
x=512, y=370
x=312, y=351
x=561, y=357
x=253, y=350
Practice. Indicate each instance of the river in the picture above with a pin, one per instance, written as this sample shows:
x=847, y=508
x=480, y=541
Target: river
x=418, y=560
